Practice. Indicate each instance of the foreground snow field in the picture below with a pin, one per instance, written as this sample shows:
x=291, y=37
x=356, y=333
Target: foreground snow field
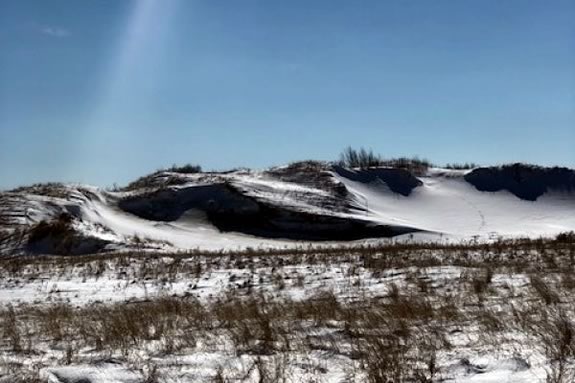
x=402, y=313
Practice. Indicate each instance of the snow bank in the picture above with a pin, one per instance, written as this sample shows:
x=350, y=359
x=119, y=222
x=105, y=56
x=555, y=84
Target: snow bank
x=302, y=202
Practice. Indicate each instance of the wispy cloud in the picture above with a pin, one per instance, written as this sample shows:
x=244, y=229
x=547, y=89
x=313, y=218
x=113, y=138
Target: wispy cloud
x=53, y=31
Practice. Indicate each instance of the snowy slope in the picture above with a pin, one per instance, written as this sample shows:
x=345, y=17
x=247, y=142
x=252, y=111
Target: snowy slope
x=219, y=211
x=449, y=205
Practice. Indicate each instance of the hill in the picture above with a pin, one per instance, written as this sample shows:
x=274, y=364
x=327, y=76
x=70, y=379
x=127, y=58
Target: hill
x=305, y=202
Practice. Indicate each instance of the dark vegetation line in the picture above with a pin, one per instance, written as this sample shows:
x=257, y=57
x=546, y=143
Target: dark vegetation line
x=395, y=251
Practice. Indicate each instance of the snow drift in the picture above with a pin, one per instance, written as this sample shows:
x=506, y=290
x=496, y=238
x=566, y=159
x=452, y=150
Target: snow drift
x=283, y=206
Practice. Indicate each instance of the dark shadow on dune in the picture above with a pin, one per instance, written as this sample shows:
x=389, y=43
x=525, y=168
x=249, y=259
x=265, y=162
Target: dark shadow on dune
x=58, y=237
x=399, y=181
x=231, y=211
x=524, y=181
x=275, y=223
x=170, y=204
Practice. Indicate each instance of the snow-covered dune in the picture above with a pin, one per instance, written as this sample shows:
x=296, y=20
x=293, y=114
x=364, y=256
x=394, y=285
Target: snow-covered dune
x=288, y=206
x=446, y=203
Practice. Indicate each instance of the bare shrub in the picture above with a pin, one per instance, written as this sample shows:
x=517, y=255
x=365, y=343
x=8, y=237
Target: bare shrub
x=185, y=169
x=361, y=158
x=365, y=159
x=462, y=166
x=543, y=290
x=11, y=330
x=272, y=369
x=558, y=338
x=384, y=359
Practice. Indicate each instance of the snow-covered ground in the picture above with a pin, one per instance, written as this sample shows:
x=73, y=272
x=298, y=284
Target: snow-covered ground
x=477, y=332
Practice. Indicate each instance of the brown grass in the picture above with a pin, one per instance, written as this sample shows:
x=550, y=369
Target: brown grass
x=395, y=335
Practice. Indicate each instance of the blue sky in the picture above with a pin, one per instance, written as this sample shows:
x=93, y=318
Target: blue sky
x=103, y=91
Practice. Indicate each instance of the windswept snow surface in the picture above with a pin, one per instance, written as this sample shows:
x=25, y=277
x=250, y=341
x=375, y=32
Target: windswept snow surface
x=447, y=205
x=105, y=372
x=191, y=231
x=440, y=205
